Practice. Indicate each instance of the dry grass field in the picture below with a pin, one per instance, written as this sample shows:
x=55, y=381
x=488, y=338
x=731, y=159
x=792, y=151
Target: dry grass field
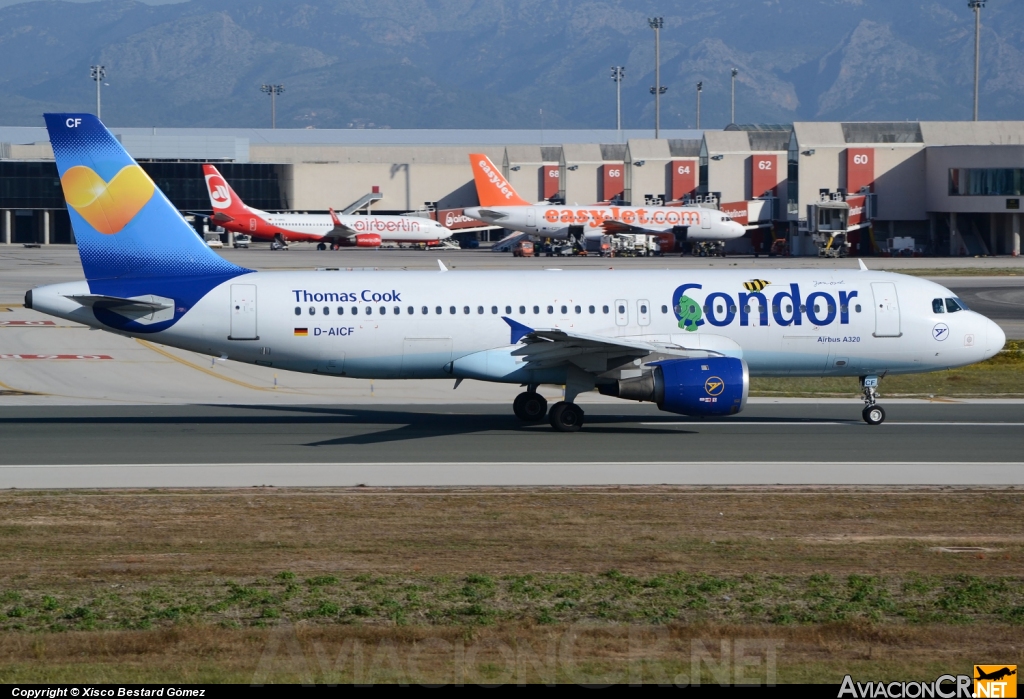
x=502, y=585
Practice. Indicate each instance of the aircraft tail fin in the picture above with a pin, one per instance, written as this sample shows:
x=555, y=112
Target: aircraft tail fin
x=492, y=189
x=223, y=199
x=131, y=239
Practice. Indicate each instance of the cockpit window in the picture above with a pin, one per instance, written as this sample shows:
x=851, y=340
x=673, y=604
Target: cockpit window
x=952, y=306
x=937, y=306
x=960, y=302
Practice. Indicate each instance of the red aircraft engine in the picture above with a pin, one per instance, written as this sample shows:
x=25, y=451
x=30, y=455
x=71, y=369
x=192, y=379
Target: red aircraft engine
x=362, y=240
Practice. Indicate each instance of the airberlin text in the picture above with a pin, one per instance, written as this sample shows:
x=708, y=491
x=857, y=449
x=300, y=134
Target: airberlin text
x=367, y=295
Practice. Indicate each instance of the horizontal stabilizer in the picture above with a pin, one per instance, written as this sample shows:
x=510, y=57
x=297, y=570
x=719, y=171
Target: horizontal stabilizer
x=114, y=303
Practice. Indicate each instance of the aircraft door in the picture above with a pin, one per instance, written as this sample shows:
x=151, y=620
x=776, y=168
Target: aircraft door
x=621, y=313
x=705, y=220
x=887, y=309
x=243, y=312
x=531, y=218
x=643, y=312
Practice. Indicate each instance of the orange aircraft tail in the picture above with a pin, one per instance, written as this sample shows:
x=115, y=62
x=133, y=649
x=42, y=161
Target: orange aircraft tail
x=492, y=189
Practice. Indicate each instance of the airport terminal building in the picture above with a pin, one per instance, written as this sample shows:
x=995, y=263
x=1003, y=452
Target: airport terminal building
x=935, y=188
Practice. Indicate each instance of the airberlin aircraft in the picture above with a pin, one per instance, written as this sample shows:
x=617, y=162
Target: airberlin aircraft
x=686, y=340
x=232, y=213
x=500, y=205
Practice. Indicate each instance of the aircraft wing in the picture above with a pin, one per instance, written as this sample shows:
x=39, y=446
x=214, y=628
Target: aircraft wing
x=547, y=348
x=618, y=227
x=340, y=229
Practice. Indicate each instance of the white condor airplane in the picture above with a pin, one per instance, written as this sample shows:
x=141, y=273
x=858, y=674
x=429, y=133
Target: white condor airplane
x=500, y=205
x=230, y=212
x=687, y=340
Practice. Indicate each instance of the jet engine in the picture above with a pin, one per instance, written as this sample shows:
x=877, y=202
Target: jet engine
x=361, y=240
x=701, y=386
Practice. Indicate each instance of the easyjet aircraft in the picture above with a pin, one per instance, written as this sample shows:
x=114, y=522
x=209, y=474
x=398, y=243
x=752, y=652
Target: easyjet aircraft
x=368, y=231
x=501, y=206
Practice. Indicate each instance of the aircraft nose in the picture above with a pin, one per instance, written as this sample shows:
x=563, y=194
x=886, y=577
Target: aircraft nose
x=996, y=338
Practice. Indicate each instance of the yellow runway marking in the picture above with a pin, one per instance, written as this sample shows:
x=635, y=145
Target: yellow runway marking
x=203, y=369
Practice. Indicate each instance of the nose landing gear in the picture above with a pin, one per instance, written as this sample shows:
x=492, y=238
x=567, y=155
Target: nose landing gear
x=873, y=414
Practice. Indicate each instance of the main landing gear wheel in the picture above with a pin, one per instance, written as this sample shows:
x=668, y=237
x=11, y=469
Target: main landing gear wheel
x=566, y=417
x=874, y=415
x=530, y=407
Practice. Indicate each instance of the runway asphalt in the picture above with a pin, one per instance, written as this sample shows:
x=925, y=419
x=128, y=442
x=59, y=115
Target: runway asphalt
x=472, y=445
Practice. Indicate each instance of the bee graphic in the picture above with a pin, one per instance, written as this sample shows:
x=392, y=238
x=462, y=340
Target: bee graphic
x=755, y=285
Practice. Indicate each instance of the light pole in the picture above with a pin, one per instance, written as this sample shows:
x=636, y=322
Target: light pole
x=97, y=73
x=976, y=5
x=735, y=72
x=618, y=73
x=273, y=91
x=700, y=89
x=656, y=23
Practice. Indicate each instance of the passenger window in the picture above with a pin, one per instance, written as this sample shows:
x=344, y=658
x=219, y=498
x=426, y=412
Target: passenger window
x=508, y=310
x=857, y=308
x=565, y=311
x=536, y=310
x=605, y=309
x=803, y=308
x=424, y=310
x=465, y=309
x=789, y=308
x=398, y=310
x=705, y=309
x=746, y=309
x=622, y=309
x=817, y=308
x=383, y=310
x=494, y=310
x=522, y=309
x=451, y=310
x=341, y=310
x=578, y=310
x=480, y=310
x=327, y=311
x=664, y=309
x=312, y=311
x=550, y=310
x=298, y=311
x=643, y=308
x=591, y=309
x=844, y=308
x=355, y=310
x=412, y=310
x=369, y=310
x=438, y=310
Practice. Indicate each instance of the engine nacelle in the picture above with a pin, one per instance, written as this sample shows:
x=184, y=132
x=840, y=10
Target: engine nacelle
x=702, y=386
x=361, y=240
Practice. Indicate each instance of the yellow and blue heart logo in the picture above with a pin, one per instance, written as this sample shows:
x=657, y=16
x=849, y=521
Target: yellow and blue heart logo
x=107, y=206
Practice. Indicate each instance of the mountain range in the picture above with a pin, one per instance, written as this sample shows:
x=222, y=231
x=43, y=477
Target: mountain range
x=507, y=63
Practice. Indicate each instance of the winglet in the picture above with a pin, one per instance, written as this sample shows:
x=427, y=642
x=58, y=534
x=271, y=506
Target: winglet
x=334, y=219
x=441, y=265
x=863, y=267
x=519, y=331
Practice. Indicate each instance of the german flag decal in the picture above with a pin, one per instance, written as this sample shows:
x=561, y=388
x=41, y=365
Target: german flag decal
x=301, y=332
